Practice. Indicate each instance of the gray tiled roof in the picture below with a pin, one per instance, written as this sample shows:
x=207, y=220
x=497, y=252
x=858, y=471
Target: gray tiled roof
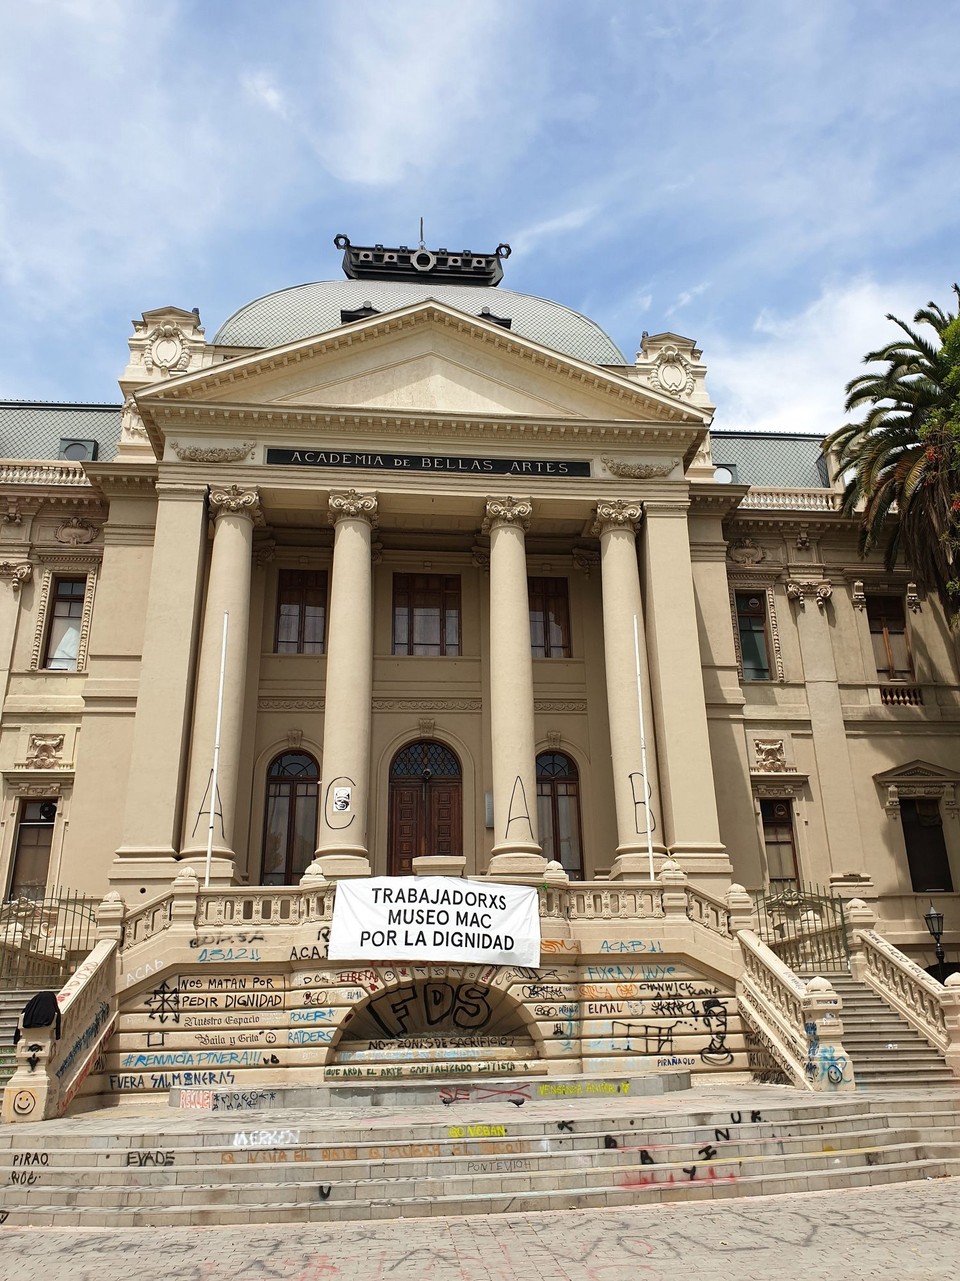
x=35, y=429
x=305, y=310
x=770, y=459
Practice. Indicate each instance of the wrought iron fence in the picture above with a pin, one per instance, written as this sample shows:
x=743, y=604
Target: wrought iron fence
x=804, y=925
x=43, y=940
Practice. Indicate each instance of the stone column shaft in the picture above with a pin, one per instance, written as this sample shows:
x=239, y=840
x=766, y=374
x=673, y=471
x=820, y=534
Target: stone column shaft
x=516, y=849
x=228, y=591
x=342, y=844
x=691, y=822
x=637, y=797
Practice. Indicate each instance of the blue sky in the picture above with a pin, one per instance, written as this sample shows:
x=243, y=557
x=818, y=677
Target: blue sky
x=767, y=177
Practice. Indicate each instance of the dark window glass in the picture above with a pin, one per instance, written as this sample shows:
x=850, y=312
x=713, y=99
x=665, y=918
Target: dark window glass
x=63, y=630
x=31, y=859
x=558, y=811
x=888, y=632
x=549, y=617
x=752, y=628
x=290, y=824
x=301, y=611
x=426, y=614
x=778, y=842
x=926, y=849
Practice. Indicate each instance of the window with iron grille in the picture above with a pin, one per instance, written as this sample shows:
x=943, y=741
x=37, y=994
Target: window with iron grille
x=888, y=632
x=426, y=615
x=301, y=611
x=549, y=617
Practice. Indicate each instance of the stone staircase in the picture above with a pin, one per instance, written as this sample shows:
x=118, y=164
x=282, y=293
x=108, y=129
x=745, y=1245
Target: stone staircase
x=886, y=1051
x=12, y=1002
x=308, y=1165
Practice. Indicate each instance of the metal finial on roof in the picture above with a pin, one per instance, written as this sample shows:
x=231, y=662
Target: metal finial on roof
x=423, y=243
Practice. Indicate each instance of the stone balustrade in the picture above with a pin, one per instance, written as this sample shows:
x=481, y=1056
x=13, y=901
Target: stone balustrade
x=794, y=1024
x=798, y=500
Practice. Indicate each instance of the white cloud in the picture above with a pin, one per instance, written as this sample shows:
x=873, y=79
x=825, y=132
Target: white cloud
x=789, y=374
x=685, y=297
x=527, y=238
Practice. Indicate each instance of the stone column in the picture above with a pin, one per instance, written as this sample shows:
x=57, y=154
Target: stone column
x=516, y=849
x=150, y=836
x=637, y=798
x=691, y=823
x=342, y=845
x=236, y=511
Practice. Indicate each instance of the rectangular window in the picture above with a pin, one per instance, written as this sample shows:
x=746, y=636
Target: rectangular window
x=63, y=629
x=778, y=842
x=301, y=611
x=926, y=848
x=752, y=629
x=31, y=858
x=888, y=632
x=426, y=615
x=549, y=617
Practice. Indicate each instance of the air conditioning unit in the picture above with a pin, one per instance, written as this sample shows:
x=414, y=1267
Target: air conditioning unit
x=78, y=451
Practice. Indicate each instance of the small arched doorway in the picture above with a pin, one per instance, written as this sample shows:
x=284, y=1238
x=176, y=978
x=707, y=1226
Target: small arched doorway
x=290, y=820
x=558, y=811
x=426, y=788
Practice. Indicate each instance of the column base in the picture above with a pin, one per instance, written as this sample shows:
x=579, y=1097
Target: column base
x=439, y=865
x=633, y=866
x=141, y=874
x=336, y=867
x=518, y=865
x=706, y=865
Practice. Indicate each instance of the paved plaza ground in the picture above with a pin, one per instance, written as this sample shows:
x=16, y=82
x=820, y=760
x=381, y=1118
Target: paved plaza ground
x=902, y=1232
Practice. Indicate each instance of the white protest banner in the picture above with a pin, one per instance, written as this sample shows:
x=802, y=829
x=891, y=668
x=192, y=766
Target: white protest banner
x=435, y=918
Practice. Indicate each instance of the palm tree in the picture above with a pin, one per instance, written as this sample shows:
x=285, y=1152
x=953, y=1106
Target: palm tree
x=902, y=462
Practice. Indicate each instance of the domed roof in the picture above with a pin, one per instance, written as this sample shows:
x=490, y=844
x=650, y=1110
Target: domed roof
x=305, y=310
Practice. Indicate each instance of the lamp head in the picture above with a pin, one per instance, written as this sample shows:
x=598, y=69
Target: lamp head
x=934, y=921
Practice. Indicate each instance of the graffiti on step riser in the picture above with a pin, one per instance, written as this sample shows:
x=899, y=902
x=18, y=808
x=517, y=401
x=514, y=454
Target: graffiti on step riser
x=703, y=1168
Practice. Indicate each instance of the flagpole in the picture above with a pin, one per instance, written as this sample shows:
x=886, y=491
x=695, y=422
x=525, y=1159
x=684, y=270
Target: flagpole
x=216, y=752
x=643, y=746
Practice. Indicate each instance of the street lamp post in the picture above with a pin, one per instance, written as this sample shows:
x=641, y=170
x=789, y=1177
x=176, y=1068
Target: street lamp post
x=934, y=920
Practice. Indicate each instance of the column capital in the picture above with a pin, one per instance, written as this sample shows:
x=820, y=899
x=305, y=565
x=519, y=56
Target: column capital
x=237, y=502
x=17, y=573
x=614, y=513
x=507, y=511
x=348, y=504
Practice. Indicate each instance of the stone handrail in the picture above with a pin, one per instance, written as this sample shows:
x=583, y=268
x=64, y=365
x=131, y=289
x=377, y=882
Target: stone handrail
x=51, y=1068
x=796, y=1023
x=781, y=499
x=704, y=909
x=42, y=473
x=931, y=1007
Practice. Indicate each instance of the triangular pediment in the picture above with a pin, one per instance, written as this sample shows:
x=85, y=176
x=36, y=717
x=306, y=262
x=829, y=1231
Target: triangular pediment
x=916, y=772
x=428, y=358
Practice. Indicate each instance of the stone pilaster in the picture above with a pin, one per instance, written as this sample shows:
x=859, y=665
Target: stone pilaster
x=637, y=798
x=342, y=844
x=235, y=511
x=691, y=823
x=516, y=849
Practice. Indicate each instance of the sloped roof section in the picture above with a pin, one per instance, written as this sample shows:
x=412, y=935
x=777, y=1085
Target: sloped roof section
x=306, y=310
x=34, y=429
x=771, y=459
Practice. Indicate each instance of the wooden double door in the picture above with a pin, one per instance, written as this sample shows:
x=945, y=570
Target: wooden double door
x=426, y=805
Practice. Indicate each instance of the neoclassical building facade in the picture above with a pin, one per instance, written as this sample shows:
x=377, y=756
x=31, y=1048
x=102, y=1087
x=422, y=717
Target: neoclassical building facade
x=423, y=549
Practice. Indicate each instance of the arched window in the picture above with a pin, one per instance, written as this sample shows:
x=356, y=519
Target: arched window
x=290, y=823
x=558, y=809
x=425, y=805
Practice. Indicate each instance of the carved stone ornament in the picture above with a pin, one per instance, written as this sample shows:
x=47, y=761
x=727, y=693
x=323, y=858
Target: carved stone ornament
x=376, y=552
x=554, y=739
x=427, y=726
x=132, y=429
x=821, y=591
x=623, y=468
x=586, y=560
x=770, y=756
x=17, y=574
x=44, y=751
x=264, y=553
x=166, y=350
x=294, y=739
x=913, y=599
x=919, y=780
x=616, y=513
x=672, y=374
x=351, y=505
x=803, y=541
x=480, y=557
x=859, y=596
x=12, y=515
x=507, y=511
x=237, y=502
x=225, y=454
x=744, y=551
x=76, y=532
